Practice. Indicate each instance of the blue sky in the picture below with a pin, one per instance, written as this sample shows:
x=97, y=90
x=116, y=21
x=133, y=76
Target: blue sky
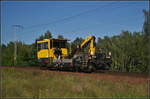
x=70, y=19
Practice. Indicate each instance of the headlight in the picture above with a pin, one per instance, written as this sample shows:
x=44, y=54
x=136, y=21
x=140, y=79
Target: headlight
x=109, y=53
x=94, y=56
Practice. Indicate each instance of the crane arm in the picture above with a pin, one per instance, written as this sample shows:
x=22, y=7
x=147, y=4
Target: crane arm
x=89, y=40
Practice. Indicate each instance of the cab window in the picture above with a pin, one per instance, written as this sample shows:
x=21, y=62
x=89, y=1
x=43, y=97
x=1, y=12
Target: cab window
x=59, y=44
x=43, y=45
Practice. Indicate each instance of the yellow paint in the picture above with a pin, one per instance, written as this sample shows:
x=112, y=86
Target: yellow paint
x=49, y=53
x=43, y=53
x=91, y=40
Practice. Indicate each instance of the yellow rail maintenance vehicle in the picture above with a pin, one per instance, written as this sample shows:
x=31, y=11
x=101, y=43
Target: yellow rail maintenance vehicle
x=51, y=49
x=53, y=53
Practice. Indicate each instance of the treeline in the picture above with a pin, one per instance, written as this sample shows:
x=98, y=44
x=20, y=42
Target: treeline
x=130, y=50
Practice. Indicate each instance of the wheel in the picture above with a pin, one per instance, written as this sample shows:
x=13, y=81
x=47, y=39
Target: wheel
x=73, y=69
x=91, y=68
x=76, y=69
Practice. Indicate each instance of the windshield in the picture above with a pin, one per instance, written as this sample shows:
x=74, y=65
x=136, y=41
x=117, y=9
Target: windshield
x=59, y=44
x=43, y=45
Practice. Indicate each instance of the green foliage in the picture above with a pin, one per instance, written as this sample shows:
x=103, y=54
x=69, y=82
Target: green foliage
x=46, y=35
x=60, y=37
x=23, y=54
x=7, y=54
x=129, y=51
x=76, y=42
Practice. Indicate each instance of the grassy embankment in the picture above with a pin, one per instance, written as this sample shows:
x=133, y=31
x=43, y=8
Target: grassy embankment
x=23, y=83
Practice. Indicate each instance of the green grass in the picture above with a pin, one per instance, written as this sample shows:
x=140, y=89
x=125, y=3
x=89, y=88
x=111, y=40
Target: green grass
x=23, y=83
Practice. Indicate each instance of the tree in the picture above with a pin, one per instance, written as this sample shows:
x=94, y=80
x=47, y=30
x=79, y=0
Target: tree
x=76, y=42
x=60, y=37
x=46, y=35
x=129, y=51
x=23, y=53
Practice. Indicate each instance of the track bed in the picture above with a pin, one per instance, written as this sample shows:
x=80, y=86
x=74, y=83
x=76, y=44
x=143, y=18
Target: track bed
x=99, y=74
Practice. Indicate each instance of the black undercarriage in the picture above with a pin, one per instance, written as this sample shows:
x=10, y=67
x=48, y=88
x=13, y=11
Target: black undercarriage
x=79, y=63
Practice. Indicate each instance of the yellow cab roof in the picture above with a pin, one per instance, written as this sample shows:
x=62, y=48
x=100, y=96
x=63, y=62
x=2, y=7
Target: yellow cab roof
x=46, y=40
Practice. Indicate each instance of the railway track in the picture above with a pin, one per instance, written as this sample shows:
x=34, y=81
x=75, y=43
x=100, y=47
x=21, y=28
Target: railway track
x=97, y=72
